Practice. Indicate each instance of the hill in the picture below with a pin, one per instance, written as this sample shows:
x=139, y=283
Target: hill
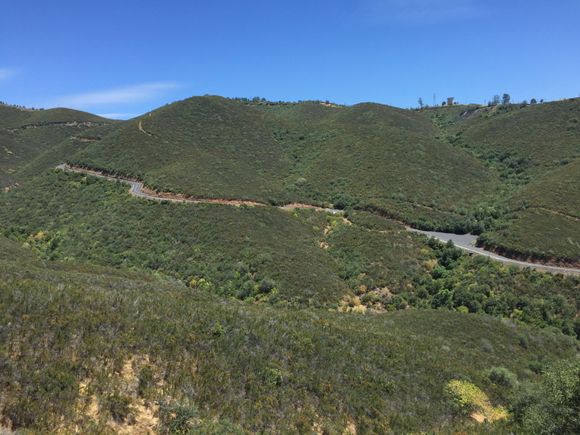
x=535, y=150
x=123, y=314
x=295, y=258
x=95, y=349
x=459, y=168
x=366, y=155
x=26, y=133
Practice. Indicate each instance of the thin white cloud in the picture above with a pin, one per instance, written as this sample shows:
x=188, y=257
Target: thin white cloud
x=420, y=11
x=118, y=115
x=120, y=95
x=6, y=73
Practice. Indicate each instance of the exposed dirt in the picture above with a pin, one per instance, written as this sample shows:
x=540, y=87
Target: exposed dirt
x=142, y=130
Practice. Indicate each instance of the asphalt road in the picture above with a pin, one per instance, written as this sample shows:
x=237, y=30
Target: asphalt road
x=467, y=243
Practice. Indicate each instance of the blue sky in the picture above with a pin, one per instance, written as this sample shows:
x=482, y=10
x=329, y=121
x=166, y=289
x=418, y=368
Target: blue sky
x=123, y=58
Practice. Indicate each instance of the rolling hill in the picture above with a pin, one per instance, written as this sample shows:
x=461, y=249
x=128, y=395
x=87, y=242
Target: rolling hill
x=123, y=314
x=26, y=134
x=366, y=155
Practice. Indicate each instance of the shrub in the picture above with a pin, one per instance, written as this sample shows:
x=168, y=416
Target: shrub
x=467, y=398
x=178, y=418
x=119, y=406
x=502, y=376
x=554, y=406
x=267, y=285
x=146, y=379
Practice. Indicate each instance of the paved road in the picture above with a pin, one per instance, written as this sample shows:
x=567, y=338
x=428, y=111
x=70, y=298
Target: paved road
x=463, y=241
x=467, y=243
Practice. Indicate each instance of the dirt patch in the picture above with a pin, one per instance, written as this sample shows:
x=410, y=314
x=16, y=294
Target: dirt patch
x=350, y=428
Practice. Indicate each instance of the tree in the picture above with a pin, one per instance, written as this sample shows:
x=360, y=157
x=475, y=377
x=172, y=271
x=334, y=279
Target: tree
x=495, y=100
x=533, y=101
x=505, y=99
x=420, y=101
x=554, y=407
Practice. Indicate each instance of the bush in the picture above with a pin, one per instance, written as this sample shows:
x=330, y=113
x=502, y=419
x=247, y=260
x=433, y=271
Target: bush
x=119, y=406
x=468, y=398
x=178, y=418
x=267, y=285
x=502, y=376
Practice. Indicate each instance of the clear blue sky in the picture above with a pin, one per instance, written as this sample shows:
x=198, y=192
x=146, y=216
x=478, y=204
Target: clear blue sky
x=125, y=57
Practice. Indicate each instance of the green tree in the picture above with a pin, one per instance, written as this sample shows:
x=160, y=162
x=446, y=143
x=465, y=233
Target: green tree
x=554, y=406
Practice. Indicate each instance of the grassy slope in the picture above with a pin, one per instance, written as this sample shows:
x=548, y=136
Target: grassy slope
x=546, y=134
x=367, y=154
x=536, y=151
x=545, y=222
x=19, y=146
x=112, y=344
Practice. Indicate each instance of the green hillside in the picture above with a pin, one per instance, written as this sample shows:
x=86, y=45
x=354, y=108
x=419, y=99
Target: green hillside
x=535, y=151
x=94, y=349
x=25, y=133
x=366, y=155
x=121, y=314
x=459, y=168
x=262, y=254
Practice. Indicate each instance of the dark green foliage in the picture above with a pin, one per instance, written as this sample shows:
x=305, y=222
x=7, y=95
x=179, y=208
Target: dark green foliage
x=534, y=150
x=264, y=254
x=456, y=281
x=26, y=134
x=367, y=155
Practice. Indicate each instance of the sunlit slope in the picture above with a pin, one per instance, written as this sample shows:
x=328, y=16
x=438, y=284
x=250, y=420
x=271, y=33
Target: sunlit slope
x=367, y=154
x=24, y=134
x=545, y=135
x=99, y=350
x=545, y=219
x=535, y=151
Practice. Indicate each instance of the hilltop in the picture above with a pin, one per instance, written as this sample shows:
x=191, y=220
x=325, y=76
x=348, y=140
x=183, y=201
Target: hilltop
x=25, y=134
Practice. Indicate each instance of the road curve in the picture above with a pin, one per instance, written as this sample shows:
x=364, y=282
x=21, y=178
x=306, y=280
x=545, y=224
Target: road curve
x=462, y=241
x=138, y=189
x=467, y=243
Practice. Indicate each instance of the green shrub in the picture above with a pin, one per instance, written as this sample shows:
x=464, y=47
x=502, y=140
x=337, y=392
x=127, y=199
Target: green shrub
x=502, y=376
x=553, y=407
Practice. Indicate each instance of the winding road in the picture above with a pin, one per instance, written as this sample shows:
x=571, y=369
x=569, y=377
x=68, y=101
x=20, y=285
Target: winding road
x=465, y=242
x=138, y=189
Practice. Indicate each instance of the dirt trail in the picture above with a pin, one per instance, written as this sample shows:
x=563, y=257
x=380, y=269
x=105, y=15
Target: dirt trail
x=465, y=242
x=142, y=130
x=552, y=211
